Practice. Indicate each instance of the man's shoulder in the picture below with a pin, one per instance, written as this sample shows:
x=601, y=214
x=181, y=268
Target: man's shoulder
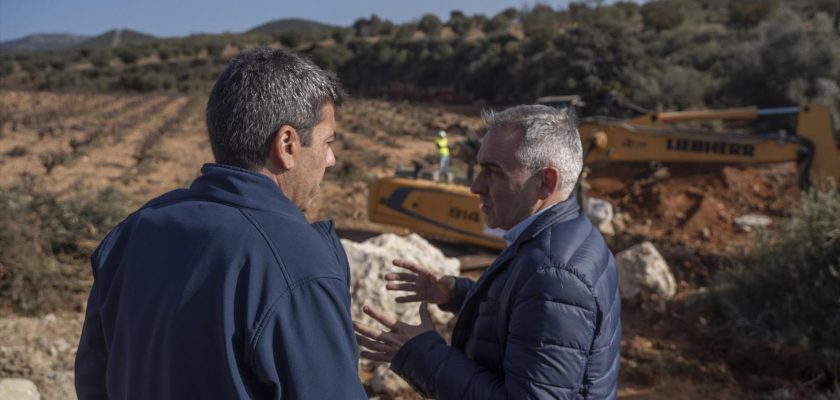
x=166, y=199
x=279, y=239
x=574, y=246
x=304, y=251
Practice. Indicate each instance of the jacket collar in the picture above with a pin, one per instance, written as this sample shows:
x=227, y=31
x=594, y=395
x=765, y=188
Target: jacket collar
x=558, y=213
x=561, y=212
x=243, y=188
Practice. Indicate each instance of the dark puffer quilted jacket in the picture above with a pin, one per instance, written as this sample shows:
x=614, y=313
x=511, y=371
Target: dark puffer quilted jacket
x=543, y=322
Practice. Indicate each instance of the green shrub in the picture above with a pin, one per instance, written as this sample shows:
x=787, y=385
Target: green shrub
x=748, y=13
x=128, y=55
x=164, y=54
x=6, y=67
x=341, y=35
x=331, y=57
x=290, y=39
x=662, y=15
x=789, y=290
x=459, y=22
x=145, y=80
x=100, y=58
x=430, y=25
x=63, y=80
x=58, y=63
x=40, y=234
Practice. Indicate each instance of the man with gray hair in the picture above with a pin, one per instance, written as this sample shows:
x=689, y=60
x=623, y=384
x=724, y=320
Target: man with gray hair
x=544, y=320
x=225, y=290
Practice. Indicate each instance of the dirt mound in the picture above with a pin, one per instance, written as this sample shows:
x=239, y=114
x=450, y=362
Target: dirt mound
x=696, y=205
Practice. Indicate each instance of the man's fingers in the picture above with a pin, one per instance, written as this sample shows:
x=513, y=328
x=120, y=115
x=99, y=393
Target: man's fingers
x=389, y=338
x=412, y=266
x=367, y=331
x=382, y=357
x=373, y=344
x=409, y=287
x=380, y=316
x=401, y=276
x=407, y=299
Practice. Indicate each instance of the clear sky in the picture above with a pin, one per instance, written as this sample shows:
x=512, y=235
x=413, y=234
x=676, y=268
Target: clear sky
x=167, y=18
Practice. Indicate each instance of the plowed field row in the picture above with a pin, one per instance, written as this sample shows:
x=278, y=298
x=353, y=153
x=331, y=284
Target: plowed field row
x=89, y=150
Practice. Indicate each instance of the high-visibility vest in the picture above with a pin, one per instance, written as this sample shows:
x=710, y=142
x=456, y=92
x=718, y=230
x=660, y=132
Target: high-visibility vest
x=442, y=146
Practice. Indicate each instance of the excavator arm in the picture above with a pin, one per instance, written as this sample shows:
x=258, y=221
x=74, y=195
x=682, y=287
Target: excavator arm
x=651, y=137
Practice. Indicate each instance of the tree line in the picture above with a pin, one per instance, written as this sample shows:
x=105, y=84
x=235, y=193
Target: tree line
x=669, y=54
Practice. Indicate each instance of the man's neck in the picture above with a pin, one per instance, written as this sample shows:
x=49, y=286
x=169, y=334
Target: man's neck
x=511, y=234
x=548, y=202
x=514, y=232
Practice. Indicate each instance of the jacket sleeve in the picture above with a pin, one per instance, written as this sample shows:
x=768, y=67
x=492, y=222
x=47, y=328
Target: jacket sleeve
x=92, y=355
x=550, y=330
x=305, y=347
x=459, y=294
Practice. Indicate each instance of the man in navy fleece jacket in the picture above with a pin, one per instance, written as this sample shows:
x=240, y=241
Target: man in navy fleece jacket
x=224, y=290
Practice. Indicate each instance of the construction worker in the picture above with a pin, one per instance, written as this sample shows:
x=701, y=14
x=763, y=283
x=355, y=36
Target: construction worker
x=443, y=152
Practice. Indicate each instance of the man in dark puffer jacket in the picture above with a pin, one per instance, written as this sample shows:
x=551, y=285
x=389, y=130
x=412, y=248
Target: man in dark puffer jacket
x=544, y=320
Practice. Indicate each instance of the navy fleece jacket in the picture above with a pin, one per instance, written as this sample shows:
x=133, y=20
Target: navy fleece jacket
x=219, y=291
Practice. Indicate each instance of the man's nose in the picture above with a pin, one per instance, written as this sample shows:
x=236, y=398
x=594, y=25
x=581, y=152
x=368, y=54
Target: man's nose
x=477, y=185
x=330, y=158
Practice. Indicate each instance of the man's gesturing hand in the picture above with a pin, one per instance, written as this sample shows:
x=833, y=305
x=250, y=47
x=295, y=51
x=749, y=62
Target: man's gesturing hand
x=427, y=285
x=385, y=345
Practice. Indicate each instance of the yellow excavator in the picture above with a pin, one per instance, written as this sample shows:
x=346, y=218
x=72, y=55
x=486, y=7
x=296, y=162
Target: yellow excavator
x=450, y=212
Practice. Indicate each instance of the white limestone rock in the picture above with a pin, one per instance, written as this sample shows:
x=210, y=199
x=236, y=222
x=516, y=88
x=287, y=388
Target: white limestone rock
x=369, y=262
x=600, y=212
x=641, y=269
x=18, y=389
x=750, y=222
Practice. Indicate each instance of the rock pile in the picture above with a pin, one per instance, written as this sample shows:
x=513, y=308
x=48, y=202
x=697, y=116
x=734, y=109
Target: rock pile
x=369, y=262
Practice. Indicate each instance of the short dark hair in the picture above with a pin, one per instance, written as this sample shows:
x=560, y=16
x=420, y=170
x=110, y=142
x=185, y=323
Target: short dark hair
x=260, y=91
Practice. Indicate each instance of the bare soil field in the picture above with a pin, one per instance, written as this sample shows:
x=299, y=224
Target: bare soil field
x=144, y=145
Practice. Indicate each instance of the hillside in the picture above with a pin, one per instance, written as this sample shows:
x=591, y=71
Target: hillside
x=42, y=42
x=118, y=37
x=292, y=24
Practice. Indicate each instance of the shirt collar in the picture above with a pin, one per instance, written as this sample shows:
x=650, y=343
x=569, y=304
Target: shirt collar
x=513, y=233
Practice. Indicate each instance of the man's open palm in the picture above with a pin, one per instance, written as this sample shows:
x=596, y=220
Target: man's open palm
x=426, y=285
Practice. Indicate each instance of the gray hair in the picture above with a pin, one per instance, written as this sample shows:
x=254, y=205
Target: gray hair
x=551, y=139
x=260, y=91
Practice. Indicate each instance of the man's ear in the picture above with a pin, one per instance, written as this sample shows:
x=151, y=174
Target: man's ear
x=284, y=148
x=549, y=183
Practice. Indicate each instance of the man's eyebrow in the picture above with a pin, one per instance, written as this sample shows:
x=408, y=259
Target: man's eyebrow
x=490, y=164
